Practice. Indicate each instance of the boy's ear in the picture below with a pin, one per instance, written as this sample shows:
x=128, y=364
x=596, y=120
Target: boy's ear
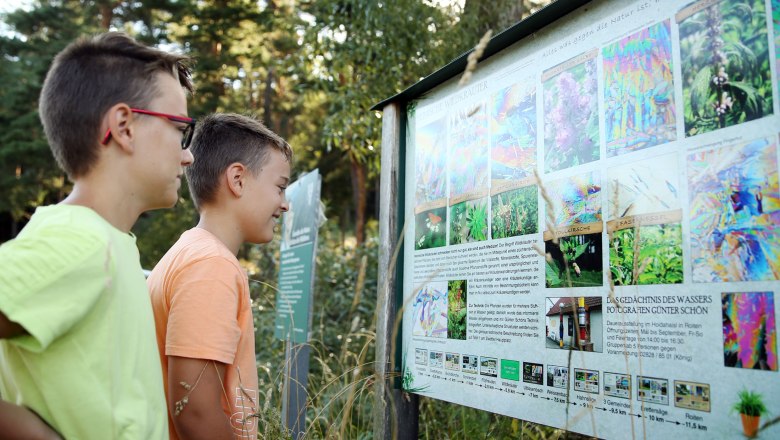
x=235, y=176
x=118, y=128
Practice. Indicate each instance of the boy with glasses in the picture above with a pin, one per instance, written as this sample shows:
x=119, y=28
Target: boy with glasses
x=200, y=293
x=77, y=343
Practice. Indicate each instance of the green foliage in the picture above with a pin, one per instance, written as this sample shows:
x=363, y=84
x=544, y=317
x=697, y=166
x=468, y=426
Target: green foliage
x=660, y=252
x=515, y=213
x=456, y=309
x=476, y=220
x=750, y=403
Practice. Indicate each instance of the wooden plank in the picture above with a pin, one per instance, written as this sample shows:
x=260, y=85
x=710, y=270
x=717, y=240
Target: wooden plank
x=395, y=412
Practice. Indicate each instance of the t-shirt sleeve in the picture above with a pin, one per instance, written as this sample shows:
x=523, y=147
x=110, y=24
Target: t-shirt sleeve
x=203, y=315
x=49, y=280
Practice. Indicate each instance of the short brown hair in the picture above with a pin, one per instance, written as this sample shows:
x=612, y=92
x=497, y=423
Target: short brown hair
x=90, y=76
x=222, y=139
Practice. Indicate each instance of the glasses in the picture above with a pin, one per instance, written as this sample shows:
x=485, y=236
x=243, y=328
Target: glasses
x=186, y=133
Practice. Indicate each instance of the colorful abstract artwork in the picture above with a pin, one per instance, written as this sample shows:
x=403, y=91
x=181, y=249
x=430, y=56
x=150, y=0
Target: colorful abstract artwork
x=724, y=53
x=576, y=200
x=571, y=120
x=735, y=213
x=468, y=152
x=430, y=228
x=513, y=129
x=430, y=161
x=749, y=331
x=644, y=187
x=430, y=310
x=638, y=91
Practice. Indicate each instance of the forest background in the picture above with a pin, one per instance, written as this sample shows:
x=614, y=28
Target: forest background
x=311, y=70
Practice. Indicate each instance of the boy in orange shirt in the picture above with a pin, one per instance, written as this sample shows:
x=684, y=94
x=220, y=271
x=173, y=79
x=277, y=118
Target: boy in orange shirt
x=200, y=294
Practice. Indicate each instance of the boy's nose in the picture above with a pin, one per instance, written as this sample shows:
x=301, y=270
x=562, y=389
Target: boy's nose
x=285, y=206
x=186, y=157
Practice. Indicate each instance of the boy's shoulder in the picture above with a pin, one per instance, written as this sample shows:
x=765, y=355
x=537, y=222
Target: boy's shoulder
x=196, y=247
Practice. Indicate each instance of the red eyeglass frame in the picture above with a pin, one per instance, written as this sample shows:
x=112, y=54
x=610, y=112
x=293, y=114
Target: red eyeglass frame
x=186, y=138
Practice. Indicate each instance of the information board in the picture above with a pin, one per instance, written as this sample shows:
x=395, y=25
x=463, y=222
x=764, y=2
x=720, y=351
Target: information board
x=592, y=231
x=298, y=249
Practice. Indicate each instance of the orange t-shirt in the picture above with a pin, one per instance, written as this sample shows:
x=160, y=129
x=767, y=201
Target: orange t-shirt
x=202, y=310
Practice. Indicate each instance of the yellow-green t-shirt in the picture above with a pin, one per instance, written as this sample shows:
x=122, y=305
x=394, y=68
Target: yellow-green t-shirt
x=90, y=365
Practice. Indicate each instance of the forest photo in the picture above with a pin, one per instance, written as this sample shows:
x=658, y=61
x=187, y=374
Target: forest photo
x=727, y=78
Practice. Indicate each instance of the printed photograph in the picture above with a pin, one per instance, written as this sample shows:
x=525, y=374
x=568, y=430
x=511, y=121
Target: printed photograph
x=557, y=376
x=452, y=361
x=533, y=373
x=430, y=229
x=488, y=366
x=513, y=133
x=456, y=309
x=515, y=212
x=420, y=356
x=638, y=189
x=776, y=22
x=735, y=213
x=571, y=117
x=644, y=187
x=692, y=395
x=749, y=330
x=617, y=385
x=563, y=333
x=575, y=200
x=430, y=310
x=468, y=153
x=586, y=381
x=510, y=369
x=582, y=265
x=653, y=390
x=469, y=221
x=436, y=359
x=659, y=260
x=725, y=59
x=639, y=91
x=430, y=162
x=469, y=364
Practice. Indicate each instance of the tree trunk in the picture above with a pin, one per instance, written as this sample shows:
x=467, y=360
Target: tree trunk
x=359, y=197
x=268, y=96
x=106, y=14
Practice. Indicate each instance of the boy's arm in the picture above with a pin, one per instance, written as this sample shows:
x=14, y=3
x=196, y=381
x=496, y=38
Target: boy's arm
x=17, y=422
x=9, y=329
x=201, y=417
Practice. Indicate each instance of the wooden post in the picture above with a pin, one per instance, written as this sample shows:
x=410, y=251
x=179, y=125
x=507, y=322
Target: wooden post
x=296, y=378
x=395, y=412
